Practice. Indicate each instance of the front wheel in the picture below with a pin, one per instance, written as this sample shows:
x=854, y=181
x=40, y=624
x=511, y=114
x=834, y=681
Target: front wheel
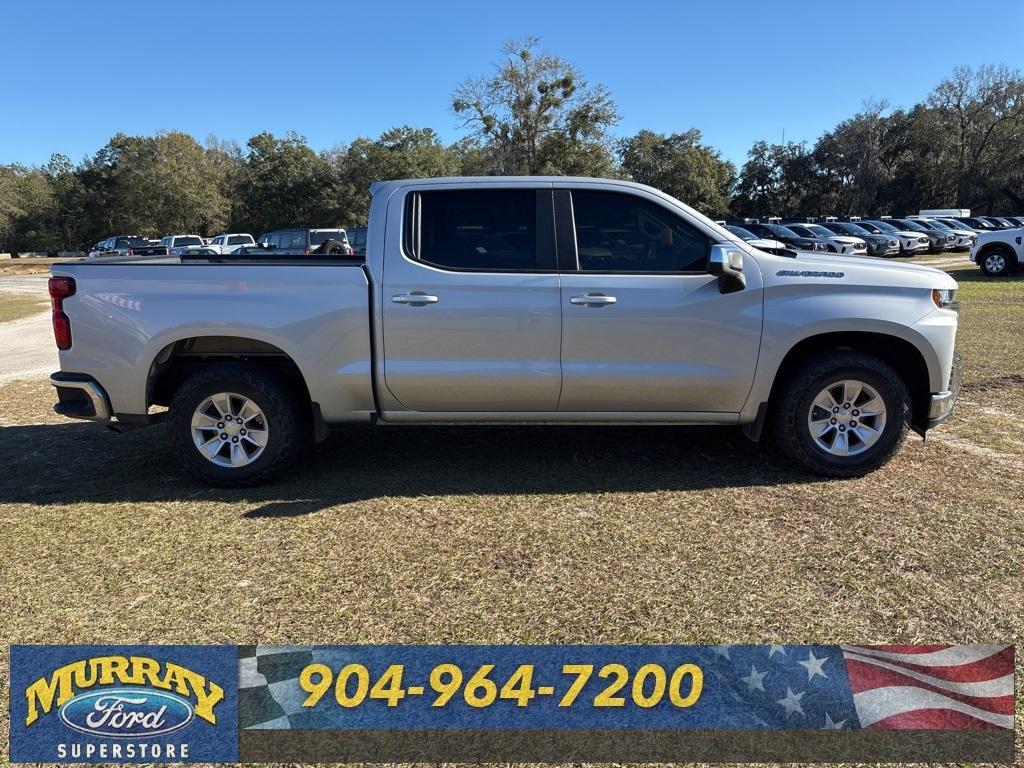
x=842, y=415
x=235, y=425
x=994, y=263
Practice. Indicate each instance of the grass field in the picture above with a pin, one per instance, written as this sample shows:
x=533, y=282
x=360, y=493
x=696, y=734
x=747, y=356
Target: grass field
x=14, y=306
x=517, y=535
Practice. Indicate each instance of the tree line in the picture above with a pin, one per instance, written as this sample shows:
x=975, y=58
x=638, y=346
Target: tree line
x=535, y=113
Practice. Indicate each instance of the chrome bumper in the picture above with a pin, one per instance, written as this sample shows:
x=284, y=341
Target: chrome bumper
x=80, y=397
x=943, y=403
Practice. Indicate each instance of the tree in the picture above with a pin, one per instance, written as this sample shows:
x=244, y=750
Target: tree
x=536, y=113
x=682, y=166
x=400, y=153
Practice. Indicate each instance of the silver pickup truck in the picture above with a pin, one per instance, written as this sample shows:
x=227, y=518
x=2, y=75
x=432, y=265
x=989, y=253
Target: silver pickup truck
x=486, y=300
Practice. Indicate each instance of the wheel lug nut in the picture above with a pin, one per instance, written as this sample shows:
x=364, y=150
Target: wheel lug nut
x=234, y=439
x=856, y=412
x=220, y=425
x=239, y=419
x=846, y=405
x=242, y=431
x=842, y=428
x=853, y=423
x=223, y=435
x=832, y=421
x=836, y=409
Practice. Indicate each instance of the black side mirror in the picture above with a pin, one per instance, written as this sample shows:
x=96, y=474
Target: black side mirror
x=726, y=261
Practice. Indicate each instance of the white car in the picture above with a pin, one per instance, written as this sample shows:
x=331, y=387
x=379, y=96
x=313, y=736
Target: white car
x=230, y=243
x=176, y=244
x=846, y=244
x=768, y=246
x=999, y=253
x=910, y=242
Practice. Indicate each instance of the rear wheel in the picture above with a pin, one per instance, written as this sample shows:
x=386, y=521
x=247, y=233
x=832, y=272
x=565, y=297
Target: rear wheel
x=842, y=415
x=235, y=425
x=995, y=262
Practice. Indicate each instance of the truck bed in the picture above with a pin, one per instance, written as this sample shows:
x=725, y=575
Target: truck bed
x=129, y=313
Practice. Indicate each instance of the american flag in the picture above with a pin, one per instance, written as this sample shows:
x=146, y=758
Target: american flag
x=931, y=686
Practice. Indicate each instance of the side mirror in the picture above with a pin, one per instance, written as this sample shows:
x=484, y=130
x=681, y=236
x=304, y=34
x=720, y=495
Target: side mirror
x=726, y=261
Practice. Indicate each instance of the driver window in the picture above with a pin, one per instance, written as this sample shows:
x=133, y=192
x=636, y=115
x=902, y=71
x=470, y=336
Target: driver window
x=618, y=232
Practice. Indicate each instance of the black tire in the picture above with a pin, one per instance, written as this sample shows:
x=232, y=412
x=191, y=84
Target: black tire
x=287, y=430
x=996, y=262
x=796, y=396
x=332, y=248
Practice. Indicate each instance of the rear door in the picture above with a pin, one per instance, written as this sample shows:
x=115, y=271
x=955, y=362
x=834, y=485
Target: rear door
x=645, y=327
x=471, y=315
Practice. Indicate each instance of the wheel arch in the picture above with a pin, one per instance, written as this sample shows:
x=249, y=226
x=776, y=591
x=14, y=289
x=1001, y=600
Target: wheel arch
x=1001, y=247
x=904, y=357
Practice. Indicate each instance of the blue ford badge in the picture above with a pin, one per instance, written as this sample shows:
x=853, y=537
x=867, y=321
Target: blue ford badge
x=127, y=712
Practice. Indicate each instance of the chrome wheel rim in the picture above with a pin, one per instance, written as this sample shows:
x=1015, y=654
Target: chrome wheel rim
x=846, y=418
x=995, y=263
x=229, y=430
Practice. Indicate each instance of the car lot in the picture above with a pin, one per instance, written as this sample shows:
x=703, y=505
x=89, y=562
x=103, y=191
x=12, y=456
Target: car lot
x=519, y=534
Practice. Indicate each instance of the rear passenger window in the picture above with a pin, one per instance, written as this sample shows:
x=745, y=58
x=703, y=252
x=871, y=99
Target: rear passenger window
x=621, y=233
x=296, y=240
x=486, y=230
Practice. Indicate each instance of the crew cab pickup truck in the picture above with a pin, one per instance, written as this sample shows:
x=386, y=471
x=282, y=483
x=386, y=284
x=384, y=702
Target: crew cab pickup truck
x=491, y=300
x=1000, y=252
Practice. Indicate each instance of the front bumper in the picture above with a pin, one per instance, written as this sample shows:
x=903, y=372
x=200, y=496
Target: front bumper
x=942, y=404
x=80, y=396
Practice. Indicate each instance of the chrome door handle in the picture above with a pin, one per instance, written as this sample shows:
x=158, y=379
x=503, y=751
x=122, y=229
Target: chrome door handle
x=592, y=299
x=414, y=298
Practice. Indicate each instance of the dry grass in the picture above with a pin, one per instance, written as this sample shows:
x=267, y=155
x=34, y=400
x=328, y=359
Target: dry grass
x=525, y=535
x=38, y=266
x=14, y=306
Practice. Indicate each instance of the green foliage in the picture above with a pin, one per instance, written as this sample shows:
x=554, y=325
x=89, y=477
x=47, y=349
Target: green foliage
x=682, y=166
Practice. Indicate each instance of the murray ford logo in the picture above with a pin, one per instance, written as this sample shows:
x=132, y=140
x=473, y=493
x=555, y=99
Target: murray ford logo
x=127, y=713
x=124, y=696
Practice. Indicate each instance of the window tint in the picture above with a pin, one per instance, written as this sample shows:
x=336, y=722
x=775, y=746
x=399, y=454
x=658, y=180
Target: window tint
x=621, y=233
x=183, y=241
x=478, y=230
x=321, y=237
x=237, y=240
x=294, y=240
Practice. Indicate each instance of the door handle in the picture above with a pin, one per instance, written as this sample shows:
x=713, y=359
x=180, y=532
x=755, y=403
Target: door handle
x=414, y=298
x=592, y=298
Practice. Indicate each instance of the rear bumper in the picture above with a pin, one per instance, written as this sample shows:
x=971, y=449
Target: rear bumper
x=79, y=396
x=942, y=404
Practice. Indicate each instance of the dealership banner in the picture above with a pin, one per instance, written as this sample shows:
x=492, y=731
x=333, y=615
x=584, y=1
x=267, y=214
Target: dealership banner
x=516, y=703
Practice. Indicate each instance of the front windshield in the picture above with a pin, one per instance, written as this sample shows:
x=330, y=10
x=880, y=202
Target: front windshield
x=912, y=225
x=938, y=224
x=781, y=231
x=852, y=229
x=885, y=226
x=743, y=234
x=819, y=230
x=873, y=229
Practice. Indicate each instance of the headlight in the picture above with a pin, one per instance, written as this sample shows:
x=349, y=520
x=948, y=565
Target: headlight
x=944, y=298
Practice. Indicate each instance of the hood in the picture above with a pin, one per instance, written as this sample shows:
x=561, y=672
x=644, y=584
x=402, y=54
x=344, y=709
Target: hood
x=873, y=270
x=848, y=239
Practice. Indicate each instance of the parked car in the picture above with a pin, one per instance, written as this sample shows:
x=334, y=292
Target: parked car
x=177, y=243
x=357, y=239
x=910, y=242
x=877, y=245
x=302, y=242
x=999, y=253
x=117, y=245
x=768, y=246
x=231, y=243
x=937, y=241
x=788, y=236
x=1018, y=221
x=148, y=250
x=978, y=224
x=623, y=306
x=964, y=238
x=853, y=246
x=1000, y=222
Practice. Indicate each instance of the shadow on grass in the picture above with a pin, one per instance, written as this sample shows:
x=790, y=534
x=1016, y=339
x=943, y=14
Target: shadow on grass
x=70, y=463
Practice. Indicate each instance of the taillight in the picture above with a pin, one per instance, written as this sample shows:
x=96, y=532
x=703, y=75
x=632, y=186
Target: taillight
x=60, y=288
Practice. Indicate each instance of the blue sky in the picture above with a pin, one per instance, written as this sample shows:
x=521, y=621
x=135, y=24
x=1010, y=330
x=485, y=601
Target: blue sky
x=75, y=73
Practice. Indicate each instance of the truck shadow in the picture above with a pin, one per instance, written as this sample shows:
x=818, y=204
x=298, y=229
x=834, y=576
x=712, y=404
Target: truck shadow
x=70, y=463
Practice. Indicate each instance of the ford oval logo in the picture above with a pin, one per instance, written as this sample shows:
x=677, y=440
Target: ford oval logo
x=127, y=713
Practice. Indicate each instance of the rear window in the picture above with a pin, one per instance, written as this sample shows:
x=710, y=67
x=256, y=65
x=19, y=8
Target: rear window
x=180, y=241
x=131, y=242
x=493, y=230
x=239, y=240
x=321, y=237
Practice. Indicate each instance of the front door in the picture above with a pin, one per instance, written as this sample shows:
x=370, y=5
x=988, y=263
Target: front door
x=645, y=327
x=471, y=314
